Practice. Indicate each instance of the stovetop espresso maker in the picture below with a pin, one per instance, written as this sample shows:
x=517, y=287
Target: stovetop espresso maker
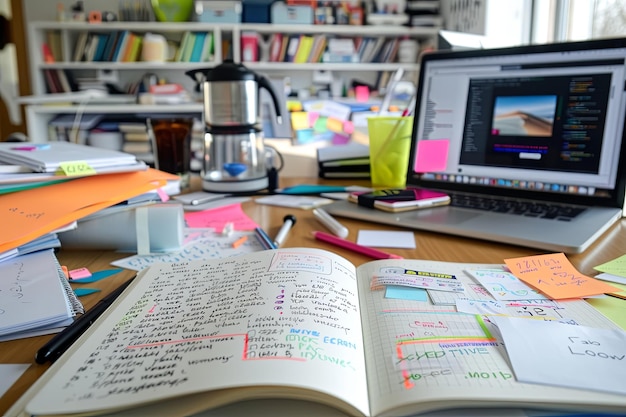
x=235, y=157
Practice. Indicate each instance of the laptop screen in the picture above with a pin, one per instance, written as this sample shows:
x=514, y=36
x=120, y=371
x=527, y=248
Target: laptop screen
x=540, y=121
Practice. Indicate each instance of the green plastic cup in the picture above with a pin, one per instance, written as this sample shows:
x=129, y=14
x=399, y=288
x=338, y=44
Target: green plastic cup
x=389, y=142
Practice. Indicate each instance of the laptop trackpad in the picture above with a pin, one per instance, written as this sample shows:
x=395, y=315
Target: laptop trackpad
x=442, y=215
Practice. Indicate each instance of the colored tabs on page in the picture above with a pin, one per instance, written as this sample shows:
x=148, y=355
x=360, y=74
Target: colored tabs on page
x=432, y=155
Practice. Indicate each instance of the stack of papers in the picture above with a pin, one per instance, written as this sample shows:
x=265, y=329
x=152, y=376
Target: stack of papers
x=344, y=161
x=28, y=165
x=35, y=296
x=54, y=156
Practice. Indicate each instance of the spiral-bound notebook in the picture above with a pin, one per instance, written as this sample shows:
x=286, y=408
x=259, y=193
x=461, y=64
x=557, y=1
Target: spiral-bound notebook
x=35, y=296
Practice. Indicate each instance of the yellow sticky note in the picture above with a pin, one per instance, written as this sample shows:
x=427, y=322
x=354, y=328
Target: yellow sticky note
x=299, y=120
x=75, y=168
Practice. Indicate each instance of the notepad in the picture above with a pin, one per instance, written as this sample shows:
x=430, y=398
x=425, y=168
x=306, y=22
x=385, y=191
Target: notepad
x=52, y=156
x=35, y=296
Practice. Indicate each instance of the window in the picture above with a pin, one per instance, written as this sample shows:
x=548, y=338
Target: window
x=573, y=20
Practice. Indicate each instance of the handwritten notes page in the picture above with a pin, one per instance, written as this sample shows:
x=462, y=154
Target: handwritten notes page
x=199, y=243
x=423, y=357
x=286, y=322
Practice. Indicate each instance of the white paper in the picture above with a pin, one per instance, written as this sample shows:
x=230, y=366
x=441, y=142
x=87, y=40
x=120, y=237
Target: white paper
x=554, y=353
x=386, y=239
x=9, y=373
x=503, y=285
x=610, y=277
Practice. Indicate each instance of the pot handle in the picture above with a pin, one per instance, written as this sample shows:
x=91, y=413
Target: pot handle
x=265, y=83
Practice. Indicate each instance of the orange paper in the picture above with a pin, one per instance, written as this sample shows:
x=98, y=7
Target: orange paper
x=555, y=276
x=29, y=214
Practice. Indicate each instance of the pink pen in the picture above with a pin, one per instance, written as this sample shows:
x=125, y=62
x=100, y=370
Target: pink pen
x=346, y=244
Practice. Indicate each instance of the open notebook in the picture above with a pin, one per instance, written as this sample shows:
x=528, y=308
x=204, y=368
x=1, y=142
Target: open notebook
x=539, y=128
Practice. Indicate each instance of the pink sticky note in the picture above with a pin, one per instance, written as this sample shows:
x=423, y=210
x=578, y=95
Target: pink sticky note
x=432, y=155
x=79, y=273
x=162, y=194
x=313, y=116
x=348, y=127
x=339, y=139
x=361, y=93
x=218, y=217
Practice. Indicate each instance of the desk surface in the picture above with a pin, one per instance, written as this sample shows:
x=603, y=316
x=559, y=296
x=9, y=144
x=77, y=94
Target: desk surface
x=431, y=246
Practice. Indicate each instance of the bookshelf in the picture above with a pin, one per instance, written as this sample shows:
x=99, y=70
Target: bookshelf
x=62, y=39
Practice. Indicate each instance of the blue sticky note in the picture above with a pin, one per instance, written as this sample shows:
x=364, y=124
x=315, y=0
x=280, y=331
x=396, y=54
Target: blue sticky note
x=406, y=293
x=85, y=291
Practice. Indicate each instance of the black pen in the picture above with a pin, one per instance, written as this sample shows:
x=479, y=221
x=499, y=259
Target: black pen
x=52, y=350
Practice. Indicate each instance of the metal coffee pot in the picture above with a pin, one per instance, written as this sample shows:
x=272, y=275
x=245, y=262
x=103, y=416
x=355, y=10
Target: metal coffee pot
x=231, y=95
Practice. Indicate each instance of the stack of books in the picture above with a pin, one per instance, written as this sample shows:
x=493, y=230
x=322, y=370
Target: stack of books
x=344, y=161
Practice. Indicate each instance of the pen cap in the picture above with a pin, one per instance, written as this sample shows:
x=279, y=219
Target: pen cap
x=333, y=225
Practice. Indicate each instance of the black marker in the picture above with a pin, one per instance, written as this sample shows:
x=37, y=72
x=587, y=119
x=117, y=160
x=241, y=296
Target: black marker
x=52, y=350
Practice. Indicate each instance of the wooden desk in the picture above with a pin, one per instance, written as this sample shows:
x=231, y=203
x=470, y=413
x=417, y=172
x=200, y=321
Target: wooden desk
x=430, y=246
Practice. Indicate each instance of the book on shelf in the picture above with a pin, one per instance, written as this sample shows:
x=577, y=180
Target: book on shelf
x=184, y=40
x=188, y=47
x=249, y=46
x=55, y=45
x=79, y=46
x=53, y=84
x=305, y=45
x=197, y=47
x=276, y=44
x=305, y=324
x=132, y=48
x=292, y=47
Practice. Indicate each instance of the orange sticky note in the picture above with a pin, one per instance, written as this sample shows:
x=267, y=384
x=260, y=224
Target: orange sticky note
x=555, y=276
x=431, y=155
x=334, y=125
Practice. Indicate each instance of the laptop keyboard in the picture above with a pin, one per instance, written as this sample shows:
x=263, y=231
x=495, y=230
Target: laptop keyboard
x=543, y=210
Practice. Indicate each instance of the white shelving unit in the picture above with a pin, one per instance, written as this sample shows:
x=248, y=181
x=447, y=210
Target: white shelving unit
x=39, y=115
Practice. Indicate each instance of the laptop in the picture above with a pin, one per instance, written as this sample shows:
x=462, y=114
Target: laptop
x=529, y=143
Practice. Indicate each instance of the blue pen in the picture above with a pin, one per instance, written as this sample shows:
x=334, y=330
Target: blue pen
x=264, y=238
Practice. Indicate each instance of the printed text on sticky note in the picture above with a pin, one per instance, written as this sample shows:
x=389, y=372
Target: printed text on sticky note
x=555, y=276
x=431, y=155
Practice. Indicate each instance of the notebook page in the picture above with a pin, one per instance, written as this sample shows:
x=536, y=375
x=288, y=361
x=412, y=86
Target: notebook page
x=418, y=351
x=271, y=319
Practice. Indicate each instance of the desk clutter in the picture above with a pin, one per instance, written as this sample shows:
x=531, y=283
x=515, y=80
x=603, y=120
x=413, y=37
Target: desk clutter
x=389, y=337
x=215, y=294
